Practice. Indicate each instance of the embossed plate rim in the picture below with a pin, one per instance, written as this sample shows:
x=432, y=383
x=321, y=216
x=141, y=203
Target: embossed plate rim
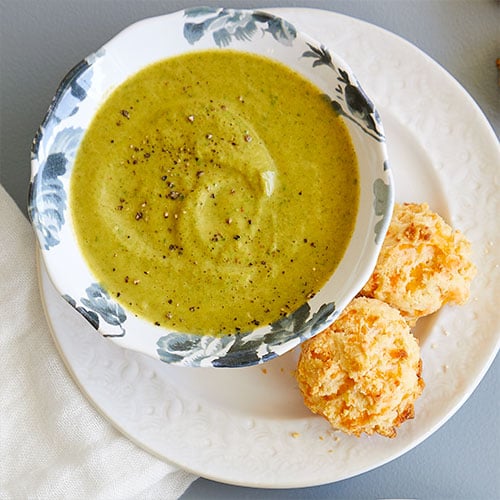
x=257, y=445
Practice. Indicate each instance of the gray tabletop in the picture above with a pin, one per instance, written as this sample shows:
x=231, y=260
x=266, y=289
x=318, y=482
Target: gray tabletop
x=41, y=39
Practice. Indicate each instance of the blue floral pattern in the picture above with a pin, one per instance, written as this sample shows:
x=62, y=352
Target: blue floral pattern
x=192, y=350
x=47, y=200
x=351, y=101
x=99, y=304
x=66, y=102
x=90, y=316
x=244, y=349
x=226, y=25
x=383, y=195
x=47, y=196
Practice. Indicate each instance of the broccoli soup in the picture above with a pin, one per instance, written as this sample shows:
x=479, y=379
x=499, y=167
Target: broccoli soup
x=214, y=192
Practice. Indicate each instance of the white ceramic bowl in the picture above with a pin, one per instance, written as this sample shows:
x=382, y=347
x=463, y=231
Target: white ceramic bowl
x=85, y=88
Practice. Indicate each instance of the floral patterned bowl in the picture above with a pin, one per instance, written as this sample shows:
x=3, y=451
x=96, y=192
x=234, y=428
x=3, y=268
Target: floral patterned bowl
x=80, y=95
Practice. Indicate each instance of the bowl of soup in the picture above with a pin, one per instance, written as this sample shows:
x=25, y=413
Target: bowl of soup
x=210, y=187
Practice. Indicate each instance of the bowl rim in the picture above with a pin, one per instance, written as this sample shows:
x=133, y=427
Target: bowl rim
x=230, y=349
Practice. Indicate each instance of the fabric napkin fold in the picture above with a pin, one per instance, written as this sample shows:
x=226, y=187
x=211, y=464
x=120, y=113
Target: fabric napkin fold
x=53, y=443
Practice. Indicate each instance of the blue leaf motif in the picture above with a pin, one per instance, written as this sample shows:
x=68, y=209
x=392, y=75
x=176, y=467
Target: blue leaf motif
x=320, y=55
x=325, y=314
x=222, y=37
x=111, y=312
x=352, y=101
x=72, y=91
x=47, y=200
x=67, y=141
x=249, y=350
x=194, y=32
x=47, y=196
x=286, y=328
x=282, y=31
x=194, y=349
x=90, y=316
x=228, y=24
x=382, y=198
x=244, y=351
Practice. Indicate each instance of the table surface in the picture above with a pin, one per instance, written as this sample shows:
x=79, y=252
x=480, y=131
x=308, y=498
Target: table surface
x=41, y=40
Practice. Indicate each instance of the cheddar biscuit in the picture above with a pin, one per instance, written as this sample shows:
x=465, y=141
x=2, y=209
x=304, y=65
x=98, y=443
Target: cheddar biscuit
x=363, y=373
x=423, y=264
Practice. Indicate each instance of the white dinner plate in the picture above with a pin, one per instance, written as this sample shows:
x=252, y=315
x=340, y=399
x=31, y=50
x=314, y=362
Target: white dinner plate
x=248, y=426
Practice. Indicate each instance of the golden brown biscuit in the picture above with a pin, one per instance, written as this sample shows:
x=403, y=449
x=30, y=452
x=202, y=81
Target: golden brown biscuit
x=363, y=373
x=423, y=264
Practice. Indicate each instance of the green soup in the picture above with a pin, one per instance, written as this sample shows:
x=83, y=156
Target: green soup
x=214, y=192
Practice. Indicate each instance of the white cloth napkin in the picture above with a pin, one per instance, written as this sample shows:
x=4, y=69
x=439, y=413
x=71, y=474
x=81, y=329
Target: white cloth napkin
x=53, y=443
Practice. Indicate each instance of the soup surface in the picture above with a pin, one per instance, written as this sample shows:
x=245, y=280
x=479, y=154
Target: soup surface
x=214, y=192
